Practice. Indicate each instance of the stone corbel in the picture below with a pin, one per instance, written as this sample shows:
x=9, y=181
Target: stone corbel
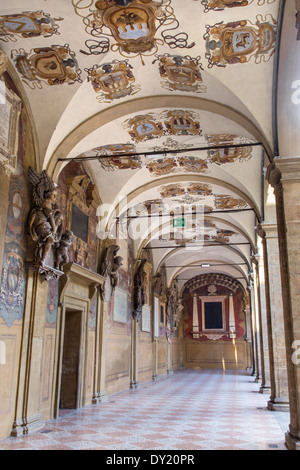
x=273, y=176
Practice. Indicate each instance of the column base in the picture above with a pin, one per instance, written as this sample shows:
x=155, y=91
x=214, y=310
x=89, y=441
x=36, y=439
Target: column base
x=278, y=405
x=27, y=426
x=134, y=385
x=154, y=377
x=170, y=372
x=292, y=442
x=101, y=398
x=265, y=390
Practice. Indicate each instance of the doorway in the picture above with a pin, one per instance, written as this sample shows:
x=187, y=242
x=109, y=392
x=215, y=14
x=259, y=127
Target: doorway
x=70, y=370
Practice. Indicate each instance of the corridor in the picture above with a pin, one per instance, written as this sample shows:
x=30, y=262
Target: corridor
x=189, y=410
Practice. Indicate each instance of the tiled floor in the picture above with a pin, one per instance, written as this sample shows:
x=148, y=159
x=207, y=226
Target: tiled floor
x=189, y=410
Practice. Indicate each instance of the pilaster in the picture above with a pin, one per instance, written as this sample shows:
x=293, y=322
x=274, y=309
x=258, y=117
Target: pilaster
x=284, y=175
x=27, y=415
x=264, y=320
x=134, y=381
x=99, y=393
x=279, y=400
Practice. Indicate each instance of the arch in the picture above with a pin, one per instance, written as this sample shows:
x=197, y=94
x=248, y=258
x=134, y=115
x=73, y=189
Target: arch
x=53, y=164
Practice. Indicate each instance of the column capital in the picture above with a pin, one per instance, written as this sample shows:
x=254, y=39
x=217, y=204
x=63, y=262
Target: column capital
x=271, y=230
x=289, y=167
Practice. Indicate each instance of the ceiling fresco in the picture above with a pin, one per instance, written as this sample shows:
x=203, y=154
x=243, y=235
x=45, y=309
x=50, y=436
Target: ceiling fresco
x=168, y=101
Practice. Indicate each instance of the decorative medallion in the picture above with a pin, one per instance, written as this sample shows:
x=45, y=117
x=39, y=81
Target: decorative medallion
x=212, y=289
x=240, y=41
x=27, y=24
x=181, y=73
x=171, y=144
x=112, y=81
x=53, y=65
x=132, y=24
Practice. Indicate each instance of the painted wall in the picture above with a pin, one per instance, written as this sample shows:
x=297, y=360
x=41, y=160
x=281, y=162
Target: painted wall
x=14, y=207
x=214, y=350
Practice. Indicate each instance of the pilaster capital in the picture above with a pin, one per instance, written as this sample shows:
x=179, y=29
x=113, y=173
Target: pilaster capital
x=271, y=230
x=289, y=168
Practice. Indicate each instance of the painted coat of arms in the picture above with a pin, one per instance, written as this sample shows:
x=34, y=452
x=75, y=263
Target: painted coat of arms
x=219, y=5
x=181, y=73
x=231, y=154
x=240, y=41
x=133, y=24
x=27, y=24
x=225, y=202
x=113, y=81
x=53, y=65
x=144, y=127
x=182, y=122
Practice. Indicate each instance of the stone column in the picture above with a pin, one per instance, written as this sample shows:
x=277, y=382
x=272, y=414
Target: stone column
x=279, y=400
x=255, y=327
x=169, y=357
x=195, y=317
x=248, y=334
x=155, y=358
x=134, y=381
x=264, y=319
x=181, y=345
x=284, y=176
x=99, y=393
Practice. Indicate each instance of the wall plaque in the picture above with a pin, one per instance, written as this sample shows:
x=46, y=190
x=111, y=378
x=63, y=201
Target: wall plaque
x=10, y=109
x=120, y=305
x=146, y=322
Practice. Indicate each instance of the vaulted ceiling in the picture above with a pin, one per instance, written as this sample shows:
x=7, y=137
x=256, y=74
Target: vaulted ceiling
x=170, y=103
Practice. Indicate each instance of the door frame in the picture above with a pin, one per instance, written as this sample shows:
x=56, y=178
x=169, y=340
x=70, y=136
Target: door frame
x=77, y=289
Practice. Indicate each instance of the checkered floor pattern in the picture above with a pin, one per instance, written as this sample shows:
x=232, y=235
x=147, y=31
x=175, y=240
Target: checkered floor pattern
x=188, y=410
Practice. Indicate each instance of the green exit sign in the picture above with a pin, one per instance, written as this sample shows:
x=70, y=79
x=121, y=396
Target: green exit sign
x=179, y=222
